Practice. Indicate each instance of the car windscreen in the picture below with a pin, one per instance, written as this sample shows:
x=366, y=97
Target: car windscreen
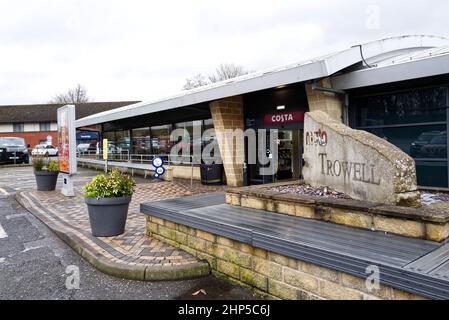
x=11, y=142
x=439, y=140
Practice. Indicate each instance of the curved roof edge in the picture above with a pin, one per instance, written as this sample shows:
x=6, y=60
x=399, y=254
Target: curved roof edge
x=300, y=72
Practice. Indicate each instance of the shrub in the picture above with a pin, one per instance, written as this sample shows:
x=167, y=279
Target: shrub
x=42, y=164
x=38, y=164
x=113, y=186
x=53, y=166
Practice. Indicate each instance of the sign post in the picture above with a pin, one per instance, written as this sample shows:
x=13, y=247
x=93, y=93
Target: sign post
x=67, y=148
x=105, y=155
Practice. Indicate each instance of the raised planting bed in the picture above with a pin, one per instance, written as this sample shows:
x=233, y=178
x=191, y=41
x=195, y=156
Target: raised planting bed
x=429, y=222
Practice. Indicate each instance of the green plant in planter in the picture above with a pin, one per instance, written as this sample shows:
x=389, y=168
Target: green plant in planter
x=52, y=166
x=40, y=164
x=115, y=185
x=46, y=172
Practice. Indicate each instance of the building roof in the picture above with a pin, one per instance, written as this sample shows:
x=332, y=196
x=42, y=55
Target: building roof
x=48, y=112
x=300, y=72
x=412, y=65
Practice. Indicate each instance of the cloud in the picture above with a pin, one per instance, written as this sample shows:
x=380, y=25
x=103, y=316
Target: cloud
x=128, y=50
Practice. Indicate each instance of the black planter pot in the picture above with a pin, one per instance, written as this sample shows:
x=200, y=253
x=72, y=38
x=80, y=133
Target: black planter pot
x=211, y=174
x=108, y=215
x=46, y=181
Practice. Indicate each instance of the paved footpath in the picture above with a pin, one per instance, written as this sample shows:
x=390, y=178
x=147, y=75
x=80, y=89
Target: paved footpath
x=34, y=264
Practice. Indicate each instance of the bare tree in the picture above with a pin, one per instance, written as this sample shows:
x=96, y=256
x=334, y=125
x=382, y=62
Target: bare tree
x=224, y=71
x=75, y=95
x=227, y=71
x=196, y=81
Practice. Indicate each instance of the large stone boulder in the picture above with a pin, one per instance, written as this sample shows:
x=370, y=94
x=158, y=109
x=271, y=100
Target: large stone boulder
x=357, y=163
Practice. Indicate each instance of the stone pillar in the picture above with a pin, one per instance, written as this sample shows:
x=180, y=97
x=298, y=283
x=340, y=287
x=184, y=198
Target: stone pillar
x=327, y=102
x=227, y=115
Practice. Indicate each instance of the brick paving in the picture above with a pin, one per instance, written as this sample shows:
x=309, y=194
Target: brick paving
x=132, y=249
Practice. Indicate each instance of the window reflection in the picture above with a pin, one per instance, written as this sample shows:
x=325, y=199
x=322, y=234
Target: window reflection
x=155, y=140
x=414, y=121
x=414, y=106
x=141, y=141
x=418, y=142
x=160, y=140
x=118, y=141
x=430, y=144
x=189, y=127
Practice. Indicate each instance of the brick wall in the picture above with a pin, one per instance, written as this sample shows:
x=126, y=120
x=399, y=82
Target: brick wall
x=33, y=138
x=266, y=272
x=324, y=101
x=227, y=114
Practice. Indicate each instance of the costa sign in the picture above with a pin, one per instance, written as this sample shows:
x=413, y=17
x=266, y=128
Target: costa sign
x=283, y=118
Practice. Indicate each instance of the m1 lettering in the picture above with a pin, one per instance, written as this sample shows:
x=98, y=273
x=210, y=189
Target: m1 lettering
x=317, y=138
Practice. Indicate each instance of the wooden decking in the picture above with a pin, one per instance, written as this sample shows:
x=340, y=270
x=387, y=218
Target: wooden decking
x=413, y=265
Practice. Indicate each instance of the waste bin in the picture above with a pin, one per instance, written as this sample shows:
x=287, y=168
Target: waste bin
x=211, y=174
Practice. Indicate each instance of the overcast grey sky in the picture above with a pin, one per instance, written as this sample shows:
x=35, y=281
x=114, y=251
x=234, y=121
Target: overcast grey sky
x=142, y=50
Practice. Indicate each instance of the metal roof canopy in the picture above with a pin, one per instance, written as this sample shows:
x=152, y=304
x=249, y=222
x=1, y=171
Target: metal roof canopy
x=411, y=66
x=308, y=70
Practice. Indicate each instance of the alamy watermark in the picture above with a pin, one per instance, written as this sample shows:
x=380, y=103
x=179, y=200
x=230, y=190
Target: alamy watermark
x=72, y=281
x=373, y=17
x=261, y=147
x=372, y=281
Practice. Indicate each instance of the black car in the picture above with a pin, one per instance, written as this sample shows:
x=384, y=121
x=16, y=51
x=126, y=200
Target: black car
x=416, y=148
x=13, y=150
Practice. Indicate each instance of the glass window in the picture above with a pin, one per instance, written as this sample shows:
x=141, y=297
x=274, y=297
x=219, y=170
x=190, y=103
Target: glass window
x=44, y=126
x=141, y=141
x=418, y=141
x=413, y=106
x=18, y=127
x=160, y=140
x=427, y=145
x=413, y=120
x=210, y=138
x=118, y=141
x=123, y=141
x=432, y=174
x=195, y=140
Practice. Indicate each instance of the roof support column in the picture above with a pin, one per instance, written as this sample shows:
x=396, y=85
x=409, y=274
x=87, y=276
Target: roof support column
x=227, y=115
x=328, y=102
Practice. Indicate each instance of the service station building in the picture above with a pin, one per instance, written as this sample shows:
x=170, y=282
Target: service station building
x=396, y=88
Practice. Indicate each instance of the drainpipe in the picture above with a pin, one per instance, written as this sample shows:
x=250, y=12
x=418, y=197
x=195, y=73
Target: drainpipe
x=447, y=129
x=345, y=109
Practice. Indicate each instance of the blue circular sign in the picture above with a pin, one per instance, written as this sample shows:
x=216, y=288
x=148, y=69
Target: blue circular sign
x=158, y=162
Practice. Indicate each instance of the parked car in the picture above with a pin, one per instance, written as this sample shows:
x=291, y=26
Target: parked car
x=112, y=148
x=86, y=147
x=416, y=148
x=13, y=150
x=436, y=148
x=44, y=150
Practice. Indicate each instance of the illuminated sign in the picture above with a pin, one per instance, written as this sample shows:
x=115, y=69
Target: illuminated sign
x=105, y=149
x=283, y=118
x=67, y=140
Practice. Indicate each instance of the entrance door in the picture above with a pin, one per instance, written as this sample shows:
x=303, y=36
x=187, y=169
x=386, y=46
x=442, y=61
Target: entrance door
x=290, y=150
x=285, y=154
x=298, y=151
